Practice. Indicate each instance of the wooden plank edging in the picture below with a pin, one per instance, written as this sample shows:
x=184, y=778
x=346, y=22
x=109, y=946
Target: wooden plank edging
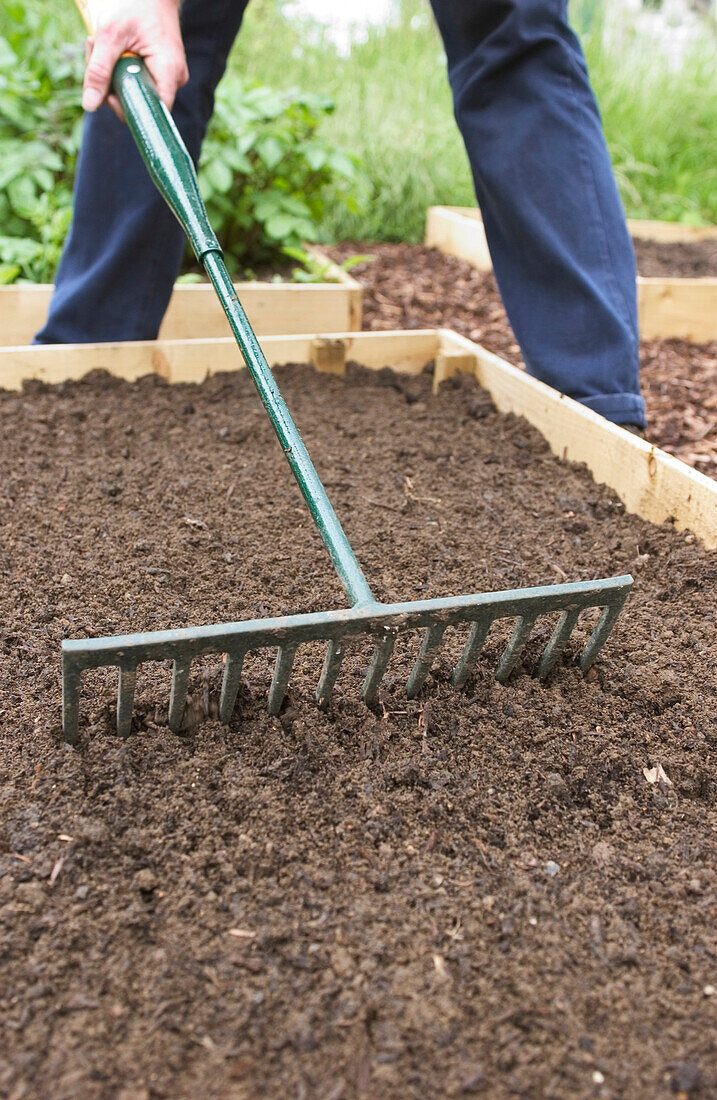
x=194, y=311
x=457, y=231
x=650, y=482
x=196, y=360
x=669, y=308
x=677, y=309
x=670, y=232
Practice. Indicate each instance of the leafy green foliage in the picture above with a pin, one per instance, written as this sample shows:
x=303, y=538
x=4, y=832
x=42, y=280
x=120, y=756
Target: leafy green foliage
x=393, y=110
x=40, y=122
x=313, y=269
x=267, y=175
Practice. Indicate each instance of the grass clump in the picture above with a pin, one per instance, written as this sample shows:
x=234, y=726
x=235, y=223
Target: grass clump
x=660, y=122
x=393, y=110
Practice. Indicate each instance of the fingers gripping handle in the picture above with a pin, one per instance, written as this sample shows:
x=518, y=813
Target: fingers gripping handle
x=160, y=144
x=163, y=151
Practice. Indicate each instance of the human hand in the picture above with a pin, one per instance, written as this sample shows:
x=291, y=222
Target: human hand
x=149, y=28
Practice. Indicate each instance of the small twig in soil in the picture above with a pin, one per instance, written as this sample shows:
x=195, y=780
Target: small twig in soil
x=412, y=495
x=380, y=504
x=55, y=872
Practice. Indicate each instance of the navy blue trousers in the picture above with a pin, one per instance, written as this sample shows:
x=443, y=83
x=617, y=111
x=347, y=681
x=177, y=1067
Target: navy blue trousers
x=555, y=225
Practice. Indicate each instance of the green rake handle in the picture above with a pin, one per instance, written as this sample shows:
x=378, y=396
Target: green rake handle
x=172, y=170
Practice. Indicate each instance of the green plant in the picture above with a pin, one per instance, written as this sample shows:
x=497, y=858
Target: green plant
x=40, y=121
x=314, y=269
x=660, y=120
x=267, y=175
x=36, y=257
x=393, y=110
x=266, y=172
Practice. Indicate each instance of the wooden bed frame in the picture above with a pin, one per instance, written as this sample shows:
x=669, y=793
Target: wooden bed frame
x=649, y=482
x=669, y=308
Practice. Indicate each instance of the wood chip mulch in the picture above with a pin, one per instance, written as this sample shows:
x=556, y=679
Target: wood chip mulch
x=409, y=286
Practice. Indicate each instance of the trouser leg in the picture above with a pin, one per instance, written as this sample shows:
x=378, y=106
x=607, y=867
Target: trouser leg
x=125, y=248
x=562, y=254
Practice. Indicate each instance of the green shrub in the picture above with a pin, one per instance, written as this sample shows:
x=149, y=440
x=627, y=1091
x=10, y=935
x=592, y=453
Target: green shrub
x=40, y=122
x=266, y=173
x=313, y=269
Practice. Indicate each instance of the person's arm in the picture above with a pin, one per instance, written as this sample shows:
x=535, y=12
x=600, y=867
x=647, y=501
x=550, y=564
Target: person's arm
x=149, y=28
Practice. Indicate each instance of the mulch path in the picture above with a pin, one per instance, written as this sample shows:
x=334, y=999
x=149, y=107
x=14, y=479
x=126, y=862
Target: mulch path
x=507, y=891
x=409, y=286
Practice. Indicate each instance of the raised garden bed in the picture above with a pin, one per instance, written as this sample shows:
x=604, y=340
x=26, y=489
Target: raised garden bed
x=495, y=892
x=194, y=312
x=671, y=307
x=407, y=286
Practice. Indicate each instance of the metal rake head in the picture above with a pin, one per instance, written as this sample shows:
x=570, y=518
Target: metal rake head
x=383, y=622
x=172, y=170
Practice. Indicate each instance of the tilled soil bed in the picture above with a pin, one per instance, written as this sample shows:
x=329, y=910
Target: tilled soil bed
x=409, y=286
x=507, y=891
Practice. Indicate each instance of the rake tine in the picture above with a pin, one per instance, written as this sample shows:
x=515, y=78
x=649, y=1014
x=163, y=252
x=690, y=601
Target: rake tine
x=600, y=634
x=556, y=645
x=471, y=650
x=280, y=680
x=178, y=696
x=429, y=648
x=379, y=663
x=125, y=699
x=230, y=684
x=329, y=673
x=70, y=703
x=512, y=651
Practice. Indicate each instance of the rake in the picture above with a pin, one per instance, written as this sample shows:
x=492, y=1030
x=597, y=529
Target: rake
x=172, y=170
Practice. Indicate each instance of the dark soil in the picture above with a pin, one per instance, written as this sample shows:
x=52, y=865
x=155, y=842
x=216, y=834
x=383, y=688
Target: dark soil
x=476, y=893
x=676, y=259
x=408, y=286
